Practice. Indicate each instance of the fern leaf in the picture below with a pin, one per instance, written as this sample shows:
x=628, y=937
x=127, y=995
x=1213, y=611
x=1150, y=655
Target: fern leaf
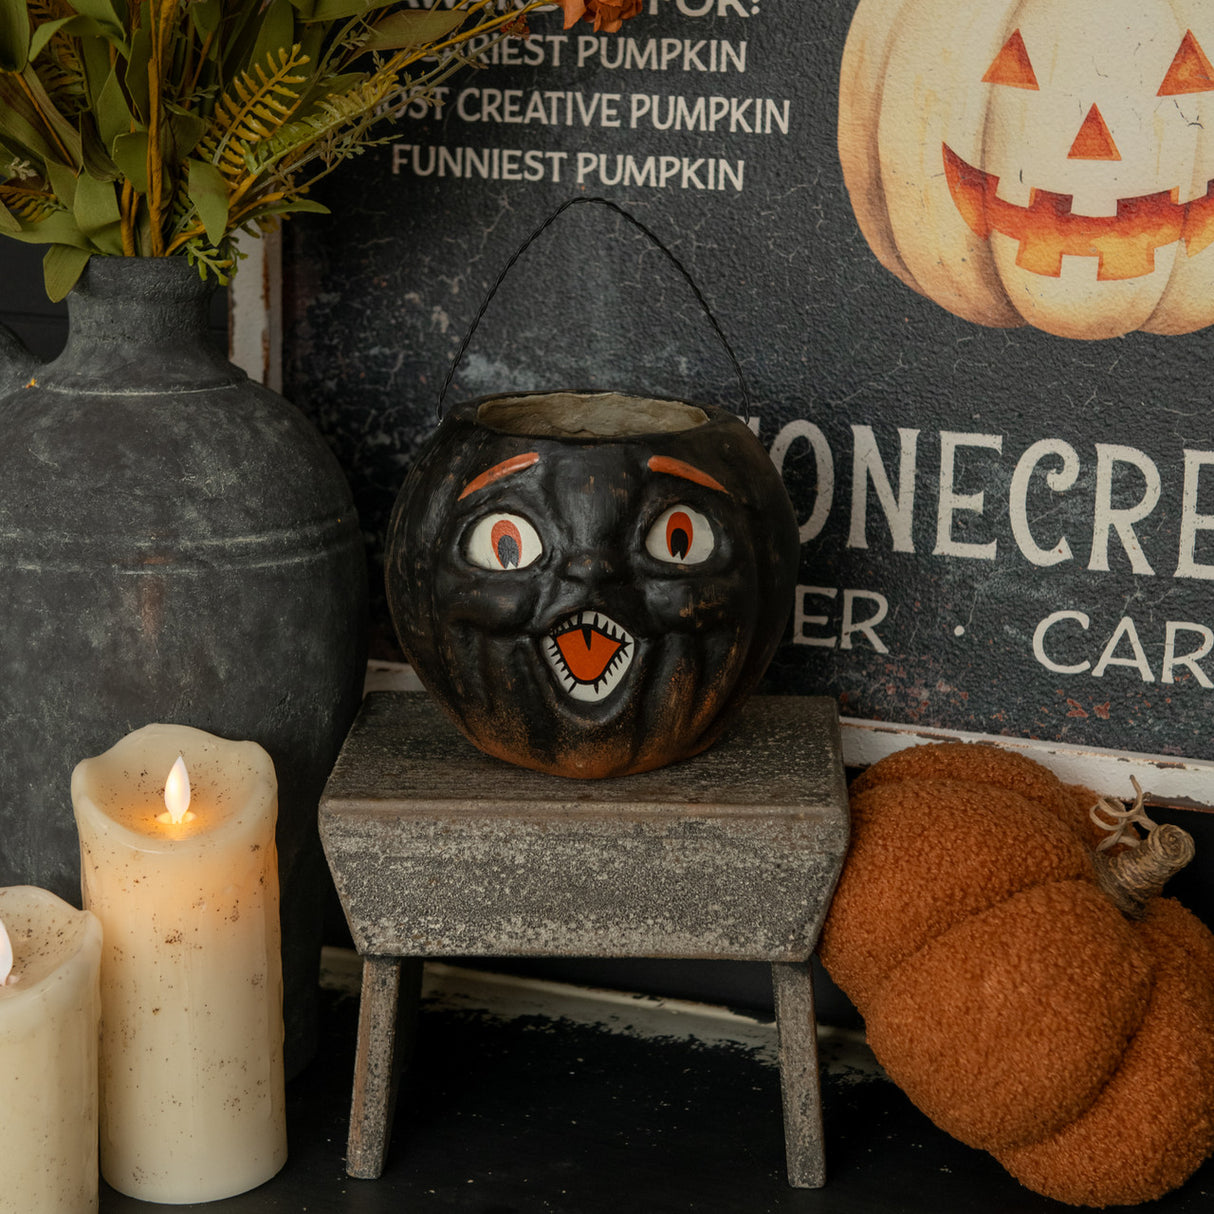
x=256, y=106
x=59, y=66
x=30, y=205
x=337, y=124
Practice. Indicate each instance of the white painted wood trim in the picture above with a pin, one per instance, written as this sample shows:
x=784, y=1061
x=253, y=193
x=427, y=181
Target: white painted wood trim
x=1166, y=779
x=255, y=310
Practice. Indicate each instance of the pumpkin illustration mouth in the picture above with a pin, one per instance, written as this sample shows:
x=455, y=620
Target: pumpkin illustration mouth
x=1047, y=228
x=589, y=653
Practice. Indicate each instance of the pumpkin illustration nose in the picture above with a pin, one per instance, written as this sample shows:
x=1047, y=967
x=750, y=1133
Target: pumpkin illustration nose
x=1095, y=140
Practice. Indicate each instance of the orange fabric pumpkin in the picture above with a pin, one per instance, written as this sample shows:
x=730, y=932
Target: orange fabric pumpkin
x=1004, y=990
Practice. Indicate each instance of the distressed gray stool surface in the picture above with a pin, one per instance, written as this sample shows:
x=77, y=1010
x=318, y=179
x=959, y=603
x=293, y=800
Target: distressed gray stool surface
x=438, y=850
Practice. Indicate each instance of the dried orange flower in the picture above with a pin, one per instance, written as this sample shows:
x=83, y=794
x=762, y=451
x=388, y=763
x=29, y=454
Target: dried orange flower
x=607, y=15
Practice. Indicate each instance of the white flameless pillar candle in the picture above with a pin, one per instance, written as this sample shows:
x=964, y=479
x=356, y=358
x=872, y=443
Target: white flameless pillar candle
x=50, y=1007
x=192, y=1098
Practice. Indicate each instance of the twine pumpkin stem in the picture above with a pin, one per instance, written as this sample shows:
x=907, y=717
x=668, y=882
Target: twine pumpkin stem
x=1113, y=818
x=1137, y=873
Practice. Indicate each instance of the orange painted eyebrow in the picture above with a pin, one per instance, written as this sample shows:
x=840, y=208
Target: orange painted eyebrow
x=516, y=463
x=676, y=467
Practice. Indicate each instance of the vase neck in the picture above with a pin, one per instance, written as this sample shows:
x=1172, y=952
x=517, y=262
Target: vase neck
x=139, y=323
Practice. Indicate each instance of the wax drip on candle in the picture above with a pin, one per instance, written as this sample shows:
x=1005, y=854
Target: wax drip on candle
x=177, y=795
x=6, y=955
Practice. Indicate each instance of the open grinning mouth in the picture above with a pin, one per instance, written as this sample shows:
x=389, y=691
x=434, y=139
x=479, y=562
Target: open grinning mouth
x=1047, y=229
x=589, y=653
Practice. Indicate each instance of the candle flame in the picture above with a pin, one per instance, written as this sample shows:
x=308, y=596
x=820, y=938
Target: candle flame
x=6, y=955
x=177, y=795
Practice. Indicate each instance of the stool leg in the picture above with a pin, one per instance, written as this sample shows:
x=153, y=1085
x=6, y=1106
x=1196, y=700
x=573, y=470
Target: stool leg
x=387, y=1019
x=792, y=986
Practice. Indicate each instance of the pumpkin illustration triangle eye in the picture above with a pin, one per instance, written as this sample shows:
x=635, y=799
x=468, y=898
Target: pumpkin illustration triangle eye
x=1191, y=71
x=1011, y=66
x=1095, y=140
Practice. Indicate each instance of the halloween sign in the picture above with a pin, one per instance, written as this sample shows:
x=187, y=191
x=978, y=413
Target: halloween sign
x=1044, y=163
x=1004, y=527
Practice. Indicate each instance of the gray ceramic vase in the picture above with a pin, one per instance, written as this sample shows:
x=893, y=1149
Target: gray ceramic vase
x=177, y=544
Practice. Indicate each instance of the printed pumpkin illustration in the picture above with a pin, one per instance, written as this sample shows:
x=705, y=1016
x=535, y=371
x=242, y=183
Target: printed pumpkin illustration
x=591, y=585
x=1048, y=162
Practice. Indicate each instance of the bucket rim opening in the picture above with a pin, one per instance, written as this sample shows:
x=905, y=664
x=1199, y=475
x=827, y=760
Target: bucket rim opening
x=588, y=415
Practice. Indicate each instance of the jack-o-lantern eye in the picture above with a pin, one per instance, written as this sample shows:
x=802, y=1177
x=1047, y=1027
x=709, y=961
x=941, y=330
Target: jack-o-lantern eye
x=1011, y=66
x=681, y=536
x=1191, y=71
x=503, y=541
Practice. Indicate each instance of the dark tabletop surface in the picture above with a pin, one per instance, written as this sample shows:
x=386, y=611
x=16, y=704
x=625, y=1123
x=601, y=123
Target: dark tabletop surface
x=532, y=1097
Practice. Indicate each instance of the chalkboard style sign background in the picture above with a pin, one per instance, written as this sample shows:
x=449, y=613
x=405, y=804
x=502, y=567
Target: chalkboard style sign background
x=1003, y=529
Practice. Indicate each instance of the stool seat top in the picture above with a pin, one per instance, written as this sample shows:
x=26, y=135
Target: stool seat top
x=437, y=849
x=781, y=756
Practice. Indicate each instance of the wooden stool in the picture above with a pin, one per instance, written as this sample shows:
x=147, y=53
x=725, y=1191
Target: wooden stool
x=438, y=850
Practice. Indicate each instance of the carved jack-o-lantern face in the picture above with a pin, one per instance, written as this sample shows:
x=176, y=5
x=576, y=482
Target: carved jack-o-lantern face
x=591, y=606
x=1043, y=162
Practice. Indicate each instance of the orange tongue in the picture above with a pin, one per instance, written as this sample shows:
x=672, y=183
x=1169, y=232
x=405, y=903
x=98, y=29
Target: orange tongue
x=586, y=652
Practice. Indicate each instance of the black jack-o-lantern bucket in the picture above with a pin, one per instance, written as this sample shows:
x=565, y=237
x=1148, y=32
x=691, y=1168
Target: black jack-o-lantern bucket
x=591, y=584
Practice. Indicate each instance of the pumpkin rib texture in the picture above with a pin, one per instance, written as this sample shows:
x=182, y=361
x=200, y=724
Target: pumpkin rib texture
x=1099, y=1159
x=1004, y=990
x=996, y=1065
x=894, y=855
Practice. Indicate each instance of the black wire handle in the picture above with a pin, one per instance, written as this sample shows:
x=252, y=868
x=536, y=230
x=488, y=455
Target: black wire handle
x=636, y=223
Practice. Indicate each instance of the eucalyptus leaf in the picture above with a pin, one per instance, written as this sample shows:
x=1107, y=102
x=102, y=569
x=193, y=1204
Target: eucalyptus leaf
x=9, y=223
x=136, y=80
x=277, y=31
x=63, y=182
x=311, y=39
x=206, y=15
x=113, y=115
x=209, y=193
x=95, y=56
x=80, y=27
x=130, y=154
x=61, y=269
x=14, y=35
x=185, y=130
x=105, y=14
x=59, y=227
x=338, y=10
x=22, y=124
x=412, y=28
x=66, y=137
x=97, y=161
x=19, y=133
x=95, y=206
